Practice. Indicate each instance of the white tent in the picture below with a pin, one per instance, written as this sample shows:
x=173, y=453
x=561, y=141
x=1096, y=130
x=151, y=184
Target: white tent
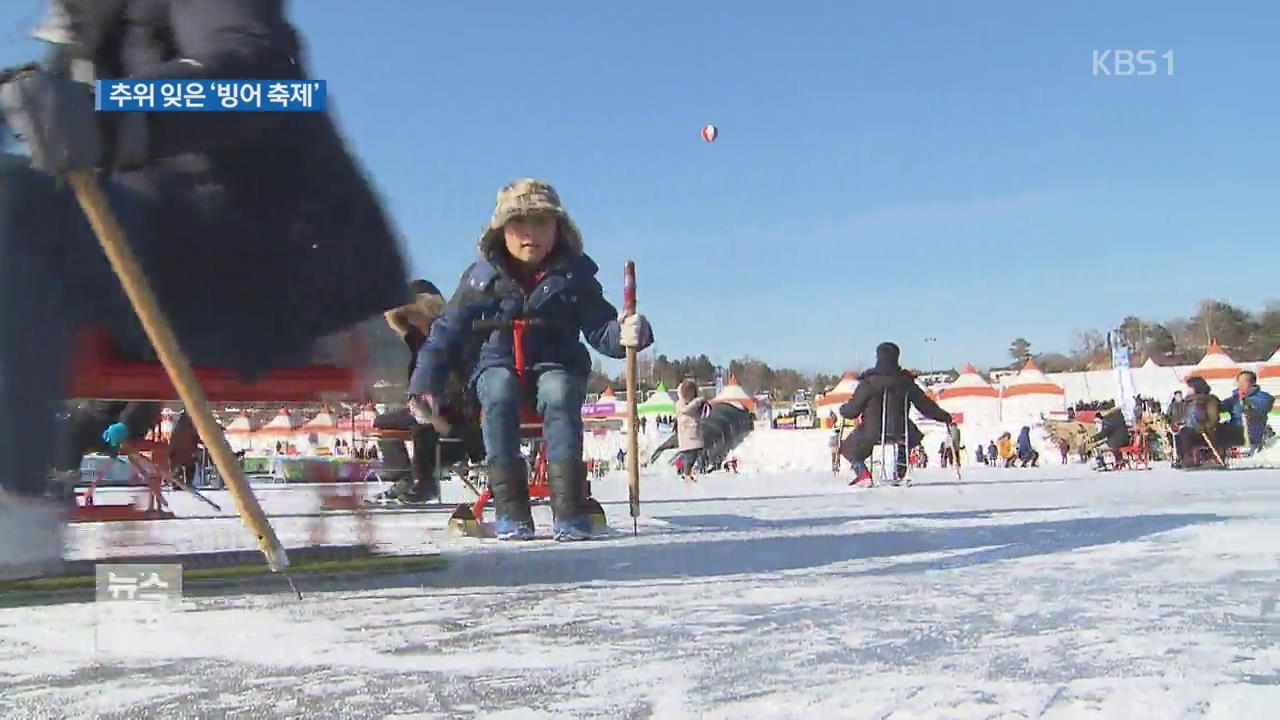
x=972, y=397
x=1029, y=395
x=1269, y=373
x=283, y=427
x=363, y=422
x=1218, y=369
x=734, y=394
x=609, y=396
x=240, y=432
x=839, y=394
x=321, y=430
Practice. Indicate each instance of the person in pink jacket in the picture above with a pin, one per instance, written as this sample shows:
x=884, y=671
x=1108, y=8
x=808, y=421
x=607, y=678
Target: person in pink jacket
x=689, y=410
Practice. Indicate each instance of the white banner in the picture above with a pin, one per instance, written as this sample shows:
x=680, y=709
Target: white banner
x=1124, y=381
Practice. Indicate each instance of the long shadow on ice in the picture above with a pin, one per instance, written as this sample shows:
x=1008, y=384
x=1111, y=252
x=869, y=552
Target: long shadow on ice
x=622, y=560
x=736, y=523
x=835, y=491
x=1028, y=481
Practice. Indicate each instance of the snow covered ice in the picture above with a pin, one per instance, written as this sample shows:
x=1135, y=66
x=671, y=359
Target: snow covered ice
x=776, y=593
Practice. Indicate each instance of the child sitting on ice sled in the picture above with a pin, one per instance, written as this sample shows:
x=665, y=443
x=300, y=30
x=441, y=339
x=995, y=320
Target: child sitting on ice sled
x=881, y=401
x=531, y=268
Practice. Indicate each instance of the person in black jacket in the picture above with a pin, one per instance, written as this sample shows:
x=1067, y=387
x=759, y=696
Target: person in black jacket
x=1114, y=433
x=415, y=481
x=87, y=427
x=412, y=481
x=211, y=204
x=881, y=400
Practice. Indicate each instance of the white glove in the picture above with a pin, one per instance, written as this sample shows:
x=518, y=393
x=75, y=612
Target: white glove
x=636, y=332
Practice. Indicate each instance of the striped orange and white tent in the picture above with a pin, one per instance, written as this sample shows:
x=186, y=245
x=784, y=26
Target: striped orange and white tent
x=1218, y=369
x=733, y=393
x=971, y=397
x=284, y=425
x=1030, y=394
x=1269, y=373
x=240, y=432
x=839, y=394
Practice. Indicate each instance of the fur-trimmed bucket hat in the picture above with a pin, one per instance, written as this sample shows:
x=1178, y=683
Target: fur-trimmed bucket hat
x=426, y=305
x=522, y=198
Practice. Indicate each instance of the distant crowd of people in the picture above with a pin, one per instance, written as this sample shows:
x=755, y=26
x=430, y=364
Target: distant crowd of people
x=1089, y=406
x=1003, y=452
x=661, y=423
x=1195, y=427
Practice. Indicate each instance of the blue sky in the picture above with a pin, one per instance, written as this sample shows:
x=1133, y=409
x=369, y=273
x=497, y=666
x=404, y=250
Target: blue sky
x=890, y=170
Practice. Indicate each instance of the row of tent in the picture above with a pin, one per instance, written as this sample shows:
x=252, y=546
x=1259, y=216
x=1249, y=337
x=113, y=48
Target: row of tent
x=661, y=402
x=1032, y=394
x=286, y=424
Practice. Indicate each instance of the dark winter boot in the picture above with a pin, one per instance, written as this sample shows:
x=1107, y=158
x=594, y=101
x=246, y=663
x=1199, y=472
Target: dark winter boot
x=395, y=470
x=426, y=486
x=568, y=483
x=509, y=485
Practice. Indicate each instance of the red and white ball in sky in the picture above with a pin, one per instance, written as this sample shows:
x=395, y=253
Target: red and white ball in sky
x=710, y=133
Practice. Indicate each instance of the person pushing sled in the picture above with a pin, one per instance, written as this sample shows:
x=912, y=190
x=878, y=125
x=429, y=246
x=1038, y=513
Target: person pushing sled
x=882, y=399
x=209, y=203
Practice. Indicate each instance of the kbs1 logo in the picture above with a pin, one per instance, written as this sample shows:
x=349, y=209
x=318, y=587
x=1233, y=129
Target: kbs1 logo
x=1124, y=63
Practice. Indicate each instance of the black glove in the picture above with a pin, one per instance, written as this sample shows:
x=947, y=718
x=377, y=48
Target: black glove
x=55, y=117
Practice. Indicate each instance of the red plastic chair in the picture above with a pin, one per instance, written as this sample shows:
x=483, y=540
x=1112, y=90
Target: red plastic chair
x=1136, y=455
x=100, y=373
x=530, y=430
x=468, y=518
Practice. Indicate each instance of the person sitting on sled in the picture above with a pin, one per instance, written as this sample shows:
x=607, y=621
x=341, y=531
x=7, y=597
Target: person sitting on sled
x=531, y=268
x=1113, y=432
x=241, y=196
x=881, y=400
x=102, y=427
x=1249, y=407
x=1027, y=454
x=1200, y=427
x=415, y=481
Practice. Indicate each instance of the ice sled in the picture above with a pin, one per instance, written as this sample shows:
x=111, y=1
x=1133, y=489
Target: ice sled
x=101, y=372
